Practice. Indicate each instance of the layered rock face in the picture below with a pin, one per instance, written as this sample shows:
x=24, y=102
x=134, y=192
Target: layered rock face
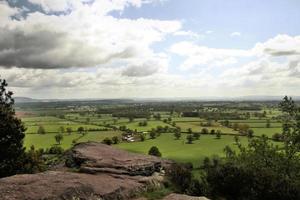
x=99, y=158
x=102, y=172
x=93, y=171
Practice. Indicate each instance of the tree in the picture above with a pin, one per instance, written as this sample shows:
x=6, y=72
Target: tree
x=154, y=151
x=190, y=131
x=33, y=161
x=268, y=124
x=204, y=131
x=88, y=120
x=12, y=133
x=218, y=134
x=270, y=171
x=152, y=134
x=261, y=166
x=196, y=135
x=142, y=137
x=236, y=140
x=41, y=130
x=69, y=130
x=62, y=129
x=107, y=141
x=131, y=118
x=250, y=133
x=58, y=138
x=80, y=130
x=177, y=134
x=115, y=139
x=189, y=138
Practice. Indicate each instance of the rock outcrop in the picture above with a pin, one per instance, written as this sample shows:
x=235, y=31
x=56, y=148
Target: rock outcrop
x=96, y=158
x=93, y=171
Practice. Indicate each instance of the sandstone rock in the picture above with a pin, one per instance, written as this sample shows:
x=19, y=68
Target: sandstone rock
x=68, y=186
x=96, y=158
x=106, y=173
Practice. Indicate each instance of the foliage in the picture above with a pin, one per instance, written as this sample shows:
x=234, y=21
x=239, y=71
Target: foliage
x=55, y=150
x=12, y=133
x=260, y=170
x=41, y=130
x=189, y=138
x=33, y=161
x=154, y=151
x=153, y=134
x=59, y=137
x=107, y=141
x=115, y=139
x=196, y=135
x=177, y=133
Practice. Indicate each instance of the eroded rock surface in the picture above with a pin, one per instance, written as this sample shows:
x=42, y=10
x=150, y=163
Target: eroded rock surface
x=105, y=173
x=99, y=158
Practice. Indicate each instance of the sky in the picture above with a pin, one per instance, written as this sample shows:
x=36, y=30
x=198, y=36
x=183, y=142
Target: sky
x=150, y=48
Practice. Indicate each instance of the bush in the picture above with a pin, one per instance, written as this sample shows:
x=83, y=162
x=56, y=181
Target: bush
x=142, y=137
x=180, y=175
x=154, y=151
x=204, y=131
x=277, y=137
x=189, y=138
x=41, y=130
x=196, y=135
x=55, y=150
x=107, y=141
x=261, y=166
x=33, y=161
x=115, y=139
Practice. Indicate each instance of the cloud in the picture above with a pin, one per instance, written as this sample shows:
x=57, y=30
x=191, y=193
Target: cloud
x=197, y=56
x=6, y=12
x=189, y=34
x=103, y=6
x=82, y=38
x=281, y=45
x=235, y=34
x=146, y=67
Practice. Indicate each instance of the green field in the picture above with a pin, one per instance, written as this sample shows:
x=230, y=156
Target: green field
x=150, y=125
x=47, y=140
x=179, y=151
x=266, y=131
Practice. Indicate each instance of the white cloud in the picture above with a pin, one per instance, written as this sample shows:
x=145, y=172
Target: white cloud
x=6, y=12
x=204, y=56
x=235, y=34
x=189, y=34
x=103, y=6
x=281, y=45
x=83, y=38
x=86, y=52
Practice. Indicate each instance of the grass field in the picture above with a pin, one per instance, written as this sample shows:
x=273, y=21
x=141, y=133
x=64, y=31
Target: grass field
x=195, y=126
x=151, y=124
x=179, y=151
x=266, y=131
x=47, y=140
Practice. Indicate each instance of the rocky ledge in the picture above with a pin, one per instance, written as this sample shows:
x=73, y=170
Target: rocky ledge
x=93, y=171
